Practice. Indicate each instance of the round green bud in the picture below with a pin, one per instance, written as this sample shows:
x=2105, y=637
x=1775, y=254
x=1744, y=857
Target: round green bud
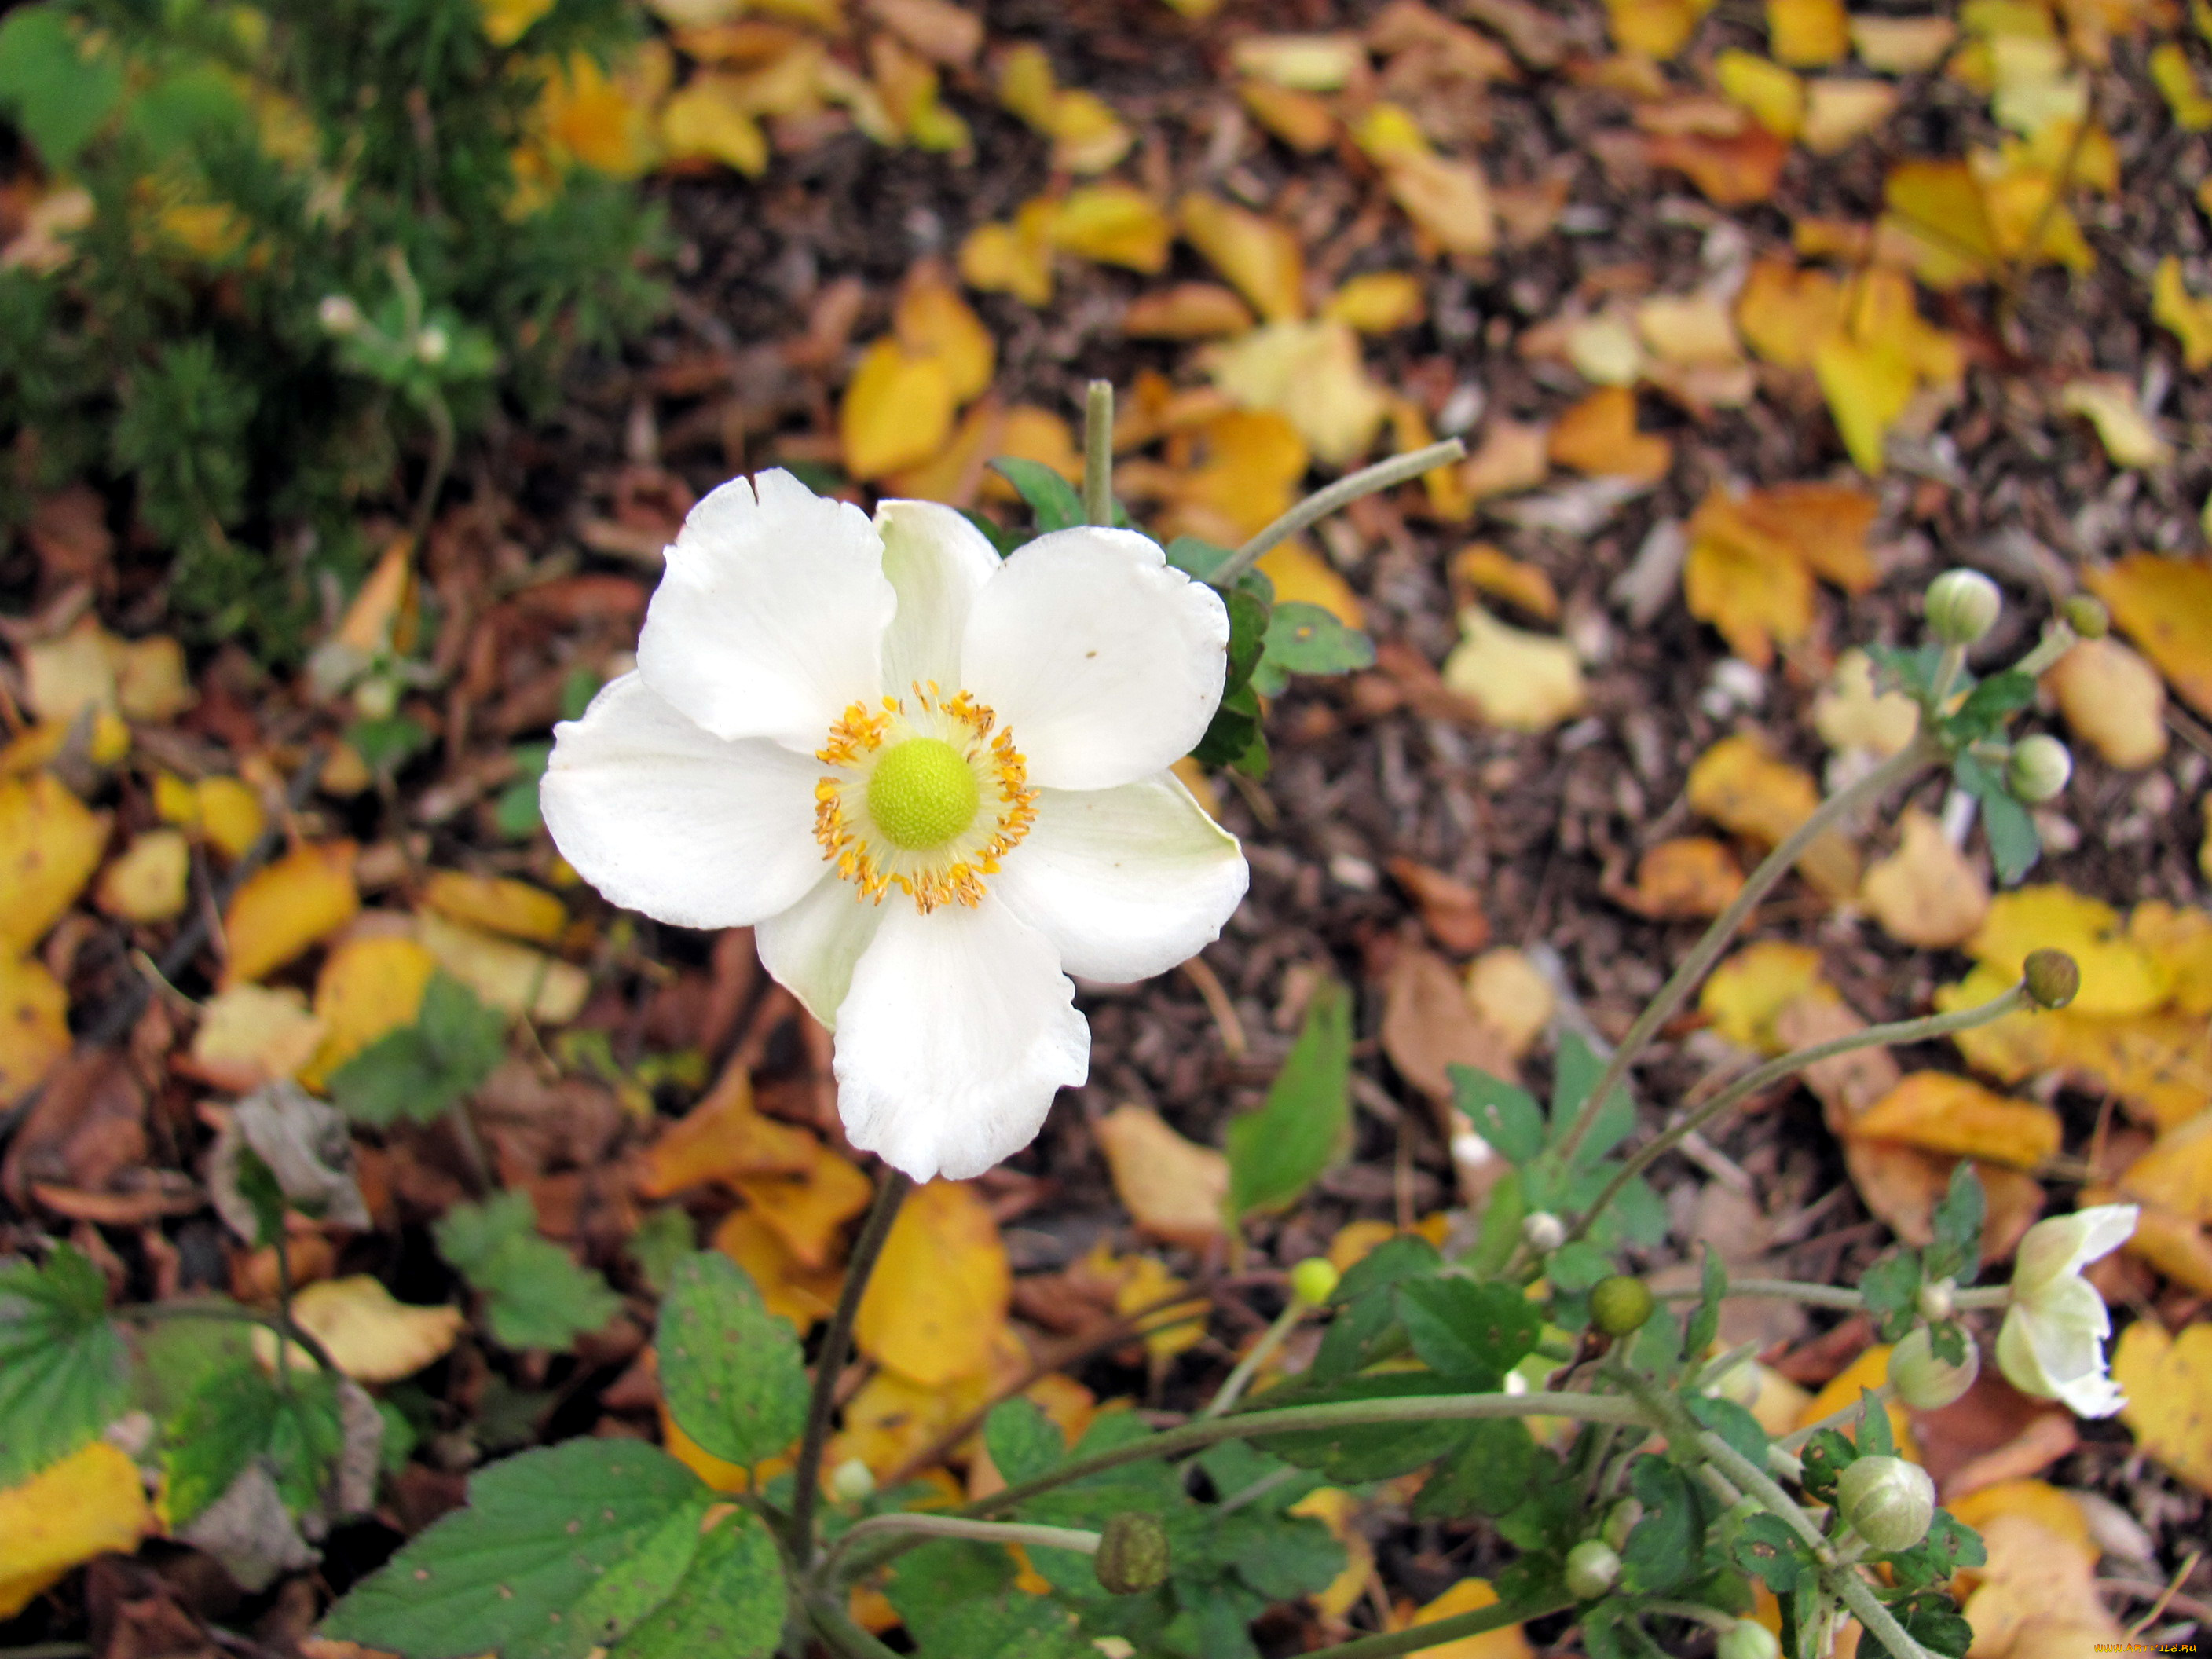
x=1543, y=1232
x=922, y=793
x=1746, y=1638
x=1133, y=1554
x=1619, y=1305
x=1923, y=1379
x=852, y=1481
x=1938, y=1300
x=1593, y=1569
x=1962, y=606
x=2086, y=617
x=1620, y=1521
x=2038, y=768
x=1313, y=1280
x=2052, y=977
x=1886, y=1501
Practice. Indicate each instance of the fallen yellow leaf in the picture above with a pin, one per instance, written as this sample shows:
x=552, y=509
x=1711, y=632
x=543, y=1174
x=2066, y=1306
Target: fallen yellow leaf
x=1806, y=33
x=1114, y=224
x=723, y=1138
x=1303, y=62
x=1745, y=993
x=2114, y=699
x=1311, y=374
x=1188, y=311
x=1785, y=312
x=1598, y=436
x=1377, y=301
x=1848, y=714
x=2109, y=404
x=1653, y=28
x=898, y=410
x=1473, y=1595
x=1685, y=878
x=788, y=1288
x=2187, y=318
x=1335, y=1509
x=2166, y=606
x=2168, y=1383
x=808, y=1208
x=2185, y=94
x=499, y=904
x=1143, y=1290
x=1747, y=792
x=33, y=1021
x=1173, y=1189
x=1927, y=893
x=1014, y=258
x=1511, y=995
x=50, y=844
x=367, y=987
x=939, y=1299
x=88, y=1504
x=1752, y=588
x=369, y=1334
x=1302, y=576
x=1260, y=257
x=227, y=814
x=2037, y=1593
x=513, y=978
x=1869, y=1370
x=2173, y=1182
x=251, y=1035
x=1523, y=682
x=1763, y=89
x=1902, y=46
x=1841, y=109
x=1491, y=570
x=933, y=320
x=2118, y=975
x=1938, y=1112
x=147, y=882
x=280, y=910
x=707, y=120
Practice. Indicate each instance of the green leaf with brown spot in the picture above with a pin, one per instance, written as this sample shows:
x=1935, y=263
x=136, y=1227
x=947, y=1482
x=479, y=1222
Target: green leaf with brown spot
x=729, y=1371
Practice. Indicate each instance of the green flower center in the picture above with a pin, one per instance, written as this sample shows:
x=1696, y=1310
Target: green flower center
x=921, y=793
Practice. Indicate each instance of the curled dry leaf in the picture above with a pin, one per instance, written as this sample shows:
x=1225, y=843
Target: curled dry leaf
x=2113, y=699
x=723, y=1138
x=1927, y=893
x=1428, y=1025
x=1688, y=877
x=1174, y=1189
x=808, y=1209
x=1450, y=909
x=1522, y=681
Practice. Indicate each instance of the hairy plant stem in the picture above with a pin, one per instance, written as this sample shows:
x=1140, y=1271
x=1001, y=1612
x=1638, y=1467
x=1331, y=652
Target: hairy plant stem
x=1436, y=1633
x=1238, y=1380
x=1765, y=1077
x=844, y=1637
x=287, y=1328
x=1710, y=1618
x=1947, y=665
x=1098, y=453
x=836, y=1344
x=1322, y=502
x=1078, y=1538
x=1921, y=753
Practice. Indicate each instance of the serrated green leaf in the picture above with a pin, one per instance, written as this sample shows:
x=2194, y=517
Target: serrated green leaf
x=1489, y=1474
x=1247, y=640
x=239, y=1413
x=57, y=92
x=1892, y=1290
x=1279, y=1151
x=1503, y=1114
x=1875, y=1439
x=1024, y=1442
x=1988, y=705
x=1500, y=1234
x=64, y=1367
x=1823, y=1457
x=729, y=1371
x=730, y=1604
x=1367, y=1312
x=1576, y=1266
x=1305, y=639
x=1957, y=1223
x=1364, y=1451
x=541, y=1531
x=1471, y=1334
x=1051, y=497
x=1766, y=1545
x=536, y=1295
x=2015, y=843
x=421, y=1071
x=1664, y=1547
x=1733, y=1424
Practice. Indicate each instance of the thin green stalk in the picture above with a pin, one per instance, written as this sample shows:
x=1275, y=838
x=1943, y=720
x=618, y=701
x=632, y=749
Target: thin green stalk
x=1098, y=453
x=1775, y=1071
x=1322, y=502
x=288, y=1330
x=2057, y=640
x=1922, y=752
x=1438, y=1632
x=1954, y=659
x=1781, y=1290
x=847, y=1639
x=836, y=1344
x=1081, y=1540
x=1710, y=1618
x=1233, y=1387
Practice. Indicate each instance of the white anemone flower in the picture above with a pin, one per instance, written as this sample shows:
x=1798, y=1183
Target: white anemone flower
x=934, y=782
x=2052, y=1342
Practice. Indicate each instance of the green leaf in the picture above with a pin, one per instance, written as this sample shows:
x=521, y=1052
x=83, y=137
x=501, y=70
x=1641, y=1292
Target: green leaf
x=1367, y=1311
x=1488, y=1474
x=1892, y=1290
x=1705, y=1324
x=662, y=1239
x=1733, y=1424
x=1934, y=1624
x=536, y=1295
x=64, y=1368
x=1024, y=1442
x=1875, y=1439
x=2015, y=843
x=958, y=1602
x=731, y=1602
x=1051, y=497
x=1365, y=1451
x=1279, y=1151
x=1234, y=729
x=1766, y=1545
x=1957, y=1222
x=1247, y=640
x=729, y=1371
x=58, y=96
x=1663, y=1550
x=1987, y=707
x=1506, y=1116
x=421, y=1071
x=1500, y=1235
x=1305, y=639
x=1471, y=1334
x=1576, y=1266
x=1825, y=1457
x=559, y=1551
x=239, y=1413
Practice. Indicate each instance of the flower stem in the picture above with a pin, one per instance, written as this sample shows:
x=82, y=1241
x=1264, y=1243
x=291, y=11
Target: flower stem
x=1419, y=1638
x=836, y=1343
x=287, y=1328
x=1946, y=674
x=1322, y=502
x=1908, y=761
x=1098, y=453
x=1764, y=1076
x=1785, y=1290
x=844, y=1637
x=1273, y=1337
x=954, y=1526
x=1710, y=1618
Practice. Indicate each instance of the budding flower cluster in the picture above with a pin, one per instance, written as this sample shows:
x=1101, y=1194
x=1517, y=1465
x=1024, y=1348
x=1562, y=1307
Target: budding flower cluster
x=1745, y=1639
x=1962, y=606
x=1886, y=1501
x=1923, y=1379
x=1133, y=1554
x=1543, y=1232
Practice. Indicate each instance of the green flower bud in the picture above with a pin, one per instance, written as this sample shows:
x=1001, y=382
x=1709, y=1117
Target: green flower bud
x=2038, y=768
x=1923, y=1379
x=1543, y=1232
x=2052, y=977
x=2086, y=617
x=1620, y=1305
x=852, y=1481
x=1886, y=1501
x=1748, y=1639
x=1962, y=606
x=1133, y=1554
x=1938, y=1301
x=1593, y=1569
x=1313, y=1280
x=1620, y=1521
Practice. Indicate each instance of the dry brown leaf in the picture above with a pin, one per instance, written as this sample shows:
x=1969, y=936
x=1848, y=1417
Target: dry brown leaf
x=1927, y=893
x=1688, y=877
x=2114, y=699
x=1174, y=1189
x=1598, y=436
x=1745, y=790
x=1428, y=1026
x=1188, y=311
x=1450, y=909
x=1939, y=1112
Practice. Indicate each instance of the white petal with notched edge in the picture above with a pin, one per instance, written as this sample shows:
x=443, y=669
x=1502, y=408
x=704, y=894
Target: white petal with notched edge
x=664, y=817
x=769, y=620
x=1126, y=883
x=810, y=948
x=937, y=562
x=1105, y=662
x=957, y=1030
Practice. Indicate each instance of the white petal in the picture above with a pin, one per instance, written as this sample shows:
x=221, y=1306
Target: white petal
x=1105, y=662
x=2066, y=1333
x=958, y=1029
x=2050, y=1250
x=937, y=561
x=664, y=817
x=2017, y=1359
x=1126, y=883
x=810, y=948
x=769, y=620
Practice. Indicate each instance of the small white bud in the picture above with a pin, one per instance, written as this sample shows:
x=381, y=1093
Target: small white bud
x=339, y=315
x=1886, y=1501
x=431, y=345
x=1543, y=1232
x=1938, y=1301
x=1593, y=1568
x=2040, y=768
x=851, y=1481
x=1748, y=1639
x=1962, y=606
x=1923, y=1379
x=375, y=698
